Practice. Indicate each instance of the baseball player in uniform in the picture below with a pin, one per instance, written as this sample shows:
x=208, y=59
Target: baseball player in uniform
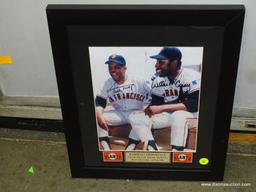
x=175, y=93
x=126, y=95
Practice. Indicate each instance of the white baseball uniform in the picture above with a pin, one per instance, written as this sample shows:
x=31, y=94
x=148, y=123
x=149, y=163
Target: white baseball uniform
x=128, y=100
x=178, y=91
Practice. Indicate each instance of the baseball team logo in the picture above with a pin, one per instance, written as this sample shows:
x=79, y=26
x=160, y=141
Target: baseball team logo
x=182, y=157
x=109, y=156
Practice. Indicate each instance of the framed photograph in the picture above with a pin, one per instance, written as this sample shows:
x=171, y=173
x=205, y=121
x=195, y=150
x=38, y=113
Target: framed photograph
x=146, y=91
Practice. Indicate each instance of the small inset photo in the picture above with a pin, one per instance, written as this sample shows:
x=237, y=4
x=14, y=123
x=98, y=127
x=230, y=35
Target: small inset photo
x=146, y=98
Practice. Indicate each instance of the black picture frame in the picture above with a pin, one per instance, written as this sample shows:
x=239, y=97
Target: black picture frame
x=218, y=28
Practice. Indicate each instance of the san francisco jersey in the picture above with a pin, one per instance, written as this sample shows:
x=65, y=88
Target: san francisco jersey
x=132, y=94
x=187, y=82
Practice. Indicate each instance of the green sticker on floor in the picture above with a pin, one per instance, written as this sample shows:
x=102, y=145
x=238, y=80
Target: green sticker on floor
x=204, y=161
x=31, y=170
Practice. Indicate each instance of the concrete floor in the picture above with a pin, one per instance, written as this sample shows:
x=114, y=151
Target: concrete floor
x=47, y=152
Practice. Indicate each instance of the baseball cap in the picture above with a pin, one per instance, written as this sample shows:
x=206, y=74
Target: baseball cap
x=117, y=59
x=170, y=53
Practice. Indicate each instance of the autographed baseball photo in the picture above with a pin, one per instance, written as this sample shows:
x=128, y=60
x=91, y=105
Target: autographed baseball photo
x=146, y=98
x=144, y=90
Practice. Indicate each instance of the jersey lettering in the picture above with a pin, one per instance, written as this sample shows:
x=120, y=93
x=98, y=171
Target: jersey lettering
x=170, y=92
x=130, y=95
x=174, y=91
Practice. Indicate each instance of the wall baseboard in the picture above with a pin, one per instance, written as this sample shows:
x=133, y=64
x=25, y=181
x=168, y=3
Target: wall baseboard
x=34, y=124
x=243, y=124
x=31, y=107
x=44, y=113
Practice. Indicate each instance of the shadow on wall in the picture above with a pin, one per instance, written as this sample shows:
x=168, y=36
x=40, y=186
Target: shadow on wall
x=1, y=90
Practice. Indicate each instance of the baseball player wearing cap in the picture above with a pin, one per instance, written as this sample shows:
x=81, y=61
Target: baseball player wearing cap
x=175, y=93
x=126, y=94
